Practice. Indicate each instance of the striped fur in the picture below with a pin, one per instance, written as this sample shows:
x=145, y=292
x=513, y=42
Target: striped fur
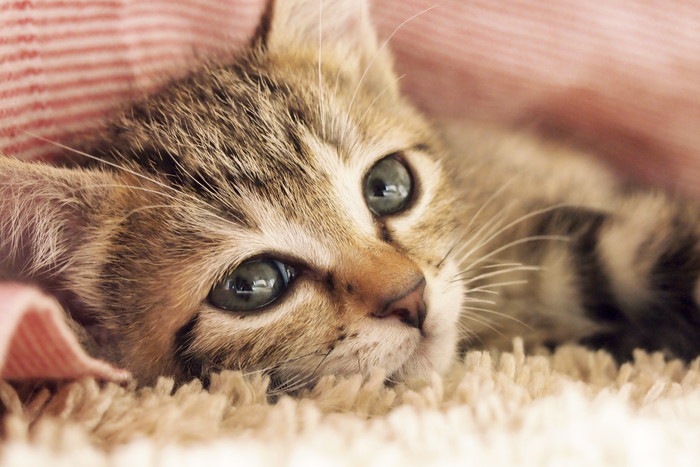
x=598, y=262
x=265, y=157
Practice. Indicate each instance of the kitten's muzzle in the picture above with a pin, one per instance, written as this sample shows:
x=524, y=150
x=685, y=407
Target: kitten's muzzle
x=409, y=307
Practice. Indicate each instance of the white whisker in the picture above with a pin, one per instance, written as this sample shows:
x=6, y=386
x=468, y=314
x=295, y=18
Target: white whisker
x=482, y=321
x=320, y=74
x=501, y=315
x=376, y=55
x=496, y=273
x=486, y=287
x=512, y=224
x=131, y=172
x=533, y=238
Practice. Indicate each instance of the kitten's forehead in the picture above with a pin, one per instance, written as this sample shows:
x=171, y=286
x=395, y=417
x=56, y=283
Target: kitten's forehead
x=256, y=137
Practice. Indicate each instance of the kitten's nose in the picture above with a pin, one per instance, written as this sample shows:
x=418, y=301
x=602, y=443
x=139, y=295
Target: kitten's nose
x=409, y=307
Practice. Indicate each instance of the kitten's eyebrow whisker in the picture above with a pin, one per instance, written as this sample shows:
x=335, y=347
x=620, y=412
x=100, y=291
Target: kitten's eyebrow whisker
x=379, y=51
x=127, y=170
x=99, y=159
x=320, y=75
x=197, y=208
x=380, y=94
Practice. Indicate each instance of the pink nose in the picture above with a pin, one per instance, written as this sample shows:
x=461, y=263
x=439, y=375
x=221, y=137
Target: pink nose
x=409, y=306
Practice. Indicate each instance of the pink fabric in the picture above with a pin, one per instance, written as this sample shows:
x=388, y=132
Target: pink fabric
x=624, y=75
x=66, y=64
x=36, y=343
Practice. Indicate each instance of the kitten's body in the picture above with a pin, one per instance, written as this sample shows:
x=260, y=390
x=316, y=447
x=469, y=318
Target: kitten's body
x=266, y=158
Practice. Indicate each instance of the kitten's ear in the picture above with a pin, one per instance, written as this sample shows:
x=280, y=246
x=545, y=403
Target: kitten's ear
x=343, y=28
x=45, y=212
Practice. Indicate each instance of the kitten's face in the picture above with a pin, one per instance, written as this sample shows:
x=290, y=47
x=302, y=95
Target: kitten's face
x=264, y=239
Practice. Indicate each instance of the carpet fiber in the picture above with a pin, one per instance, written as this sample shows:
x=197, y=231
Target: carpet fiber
x=572, y=407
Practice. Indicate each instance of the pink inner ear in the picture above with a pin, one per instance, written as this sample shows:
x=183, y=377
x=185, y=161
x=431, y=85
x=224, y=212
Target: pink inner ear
x=36, y=342
x=341, y=23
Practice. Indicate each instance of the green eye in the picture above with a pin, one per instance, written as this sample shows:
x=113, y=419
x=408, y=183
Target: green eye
x=388, y=187
x=252, y=285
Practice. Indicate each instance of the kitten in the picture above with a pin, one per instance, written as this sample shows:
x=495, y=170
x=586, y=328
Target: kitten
x=290, y=212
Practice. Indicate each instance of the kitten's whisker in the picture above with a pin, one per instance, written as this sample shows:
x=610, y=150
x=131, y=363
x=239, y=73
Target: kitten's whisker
x=196, y=208
x=495, y=273
x=482, y=321
x=512, y=224
x=489, y=200
x=320, y=75
x=492, y=292
x=299, y=379
x=533, y=238
x=99, y=159
x=152, y=206
x=475, y=308
x=474, y=217
x=469, y=299
x=380, y=94
x=379, y=51
x=313, y=373
x=125, y=169
x=506, y=268
x=501, y=315
x=498, y=264
x=207, y=189
x=487, y=287
x=485, y=230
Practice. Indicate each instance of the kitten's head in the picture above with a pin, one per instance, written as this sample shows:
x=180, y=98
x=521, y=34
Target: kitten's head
x=286, y=213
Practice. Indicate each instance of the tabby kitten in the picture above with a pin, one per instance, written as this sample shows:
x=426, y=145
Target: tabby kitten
x=289, y=212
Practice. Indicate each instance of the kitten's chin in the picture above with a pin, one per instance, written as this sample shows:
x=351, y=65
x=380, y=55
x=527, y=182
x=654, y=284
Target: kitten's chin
x=435, y=354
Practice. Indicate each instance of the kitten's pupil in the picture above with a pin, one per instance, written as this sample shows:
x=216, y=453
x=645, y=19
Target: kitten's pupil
x=388, y=187
x=252, y=285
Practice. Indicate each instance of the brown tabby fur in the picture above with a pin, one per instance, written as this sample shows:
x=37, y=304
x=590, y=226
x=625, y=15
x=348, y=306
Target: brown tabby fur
x=265, y=157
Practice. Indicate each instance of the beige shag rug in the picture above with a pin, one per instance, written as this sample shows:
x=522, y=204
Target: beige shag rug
x=574, y=407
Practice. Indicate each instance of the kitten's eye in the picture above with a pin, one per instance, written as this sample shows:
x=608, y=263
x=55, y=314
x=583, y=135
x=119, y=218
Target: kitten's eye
x=388, y=187
x=251, y=286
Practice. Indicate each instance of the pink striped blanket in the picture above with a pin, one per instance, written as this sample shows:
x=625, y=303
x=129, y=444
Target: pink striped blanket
x=621, y=74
